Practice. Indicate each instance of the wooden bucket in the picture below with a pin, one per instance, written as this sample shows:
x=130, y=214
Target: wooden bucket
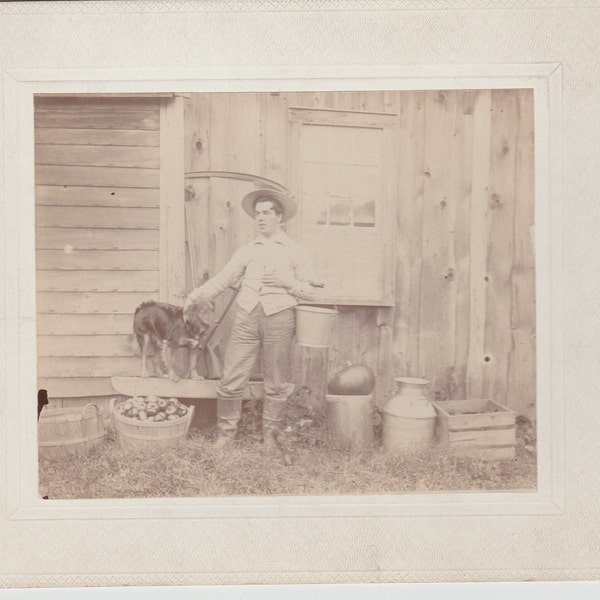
x=70, y=431
x=150, y=434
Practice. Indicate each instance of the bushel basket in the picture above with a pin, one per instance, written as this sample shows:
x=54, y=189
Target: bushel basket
x=70, y=431
x=134, y=433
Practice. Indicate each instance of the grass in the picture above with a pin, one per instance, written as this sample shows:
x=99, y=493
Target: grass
x=318, y=466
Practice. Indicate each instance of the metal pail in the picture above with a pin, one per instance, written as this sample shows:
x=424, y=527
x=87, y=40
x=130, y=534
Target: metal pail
x=350, y=420
x=314, y=325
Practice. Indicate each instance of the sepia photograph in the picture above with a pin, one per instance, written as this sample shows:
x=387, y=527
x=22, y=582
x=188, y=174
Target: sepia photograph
x=285, y=293
x=298, y=293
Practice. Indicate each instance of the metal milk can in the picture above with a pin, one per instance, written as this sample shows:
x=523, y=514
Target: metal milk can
x=408, y=418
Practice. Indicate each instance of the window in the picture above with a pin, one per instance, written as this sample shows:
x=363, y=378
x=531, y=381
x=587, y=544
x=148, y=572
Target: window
x=343, y=174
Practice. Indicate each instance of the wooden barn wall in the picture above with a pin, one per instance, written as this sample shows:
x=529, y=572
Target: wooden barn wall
x=465, y=303
x=97, y=237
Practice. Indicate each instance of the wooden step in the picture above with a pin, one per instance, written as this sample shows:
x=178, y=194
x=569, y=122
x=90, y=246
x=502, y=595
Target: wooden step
x=184, y=388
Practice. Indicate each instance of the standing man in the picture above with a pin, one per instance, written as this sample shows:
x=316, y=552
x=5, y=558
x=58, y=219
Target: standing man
x=272, y=271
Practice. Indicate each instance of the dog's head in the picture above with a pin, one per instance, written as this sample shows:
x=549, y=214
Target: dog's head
x=199, y=316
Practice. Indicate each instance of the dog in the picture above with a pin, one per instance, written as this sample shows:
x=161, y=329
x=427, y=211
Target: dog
x=163, y=328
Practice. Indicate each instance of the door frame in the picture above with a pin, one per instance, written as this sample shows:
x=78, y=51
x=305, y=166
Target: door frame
x=388, y=124
x=171, y=253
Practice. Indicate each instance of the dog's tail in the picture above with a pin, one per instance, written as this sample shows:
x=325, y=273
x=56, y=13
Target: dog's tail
x=145, y=305
x=138, y=337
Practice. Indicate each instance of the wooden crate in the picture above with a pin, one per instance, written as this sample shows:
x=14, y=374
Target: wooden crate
x=481, y=428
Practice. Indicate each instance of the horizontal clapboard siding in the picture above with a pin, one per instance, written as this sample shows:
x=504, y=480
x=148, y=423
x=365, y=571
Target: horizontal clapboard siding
x=126, y=103
x=67, y=303
x=85, y=324
x=87, y=366
x=78, y=345
x=97, y=137
x=63, y=195
x=97, y=281
x=97, y=156
x=76, y=387
x=106, y=260
x=89, y=238
x=97, y=237
x=84, y=118
x=96, y=176
x=111, y=217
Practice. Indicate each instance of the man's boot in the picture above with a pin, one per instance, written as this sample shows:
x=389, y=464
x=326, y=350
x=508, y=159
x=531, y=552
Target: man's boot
x=273, y=415
x=228, y=415
x=271, y=431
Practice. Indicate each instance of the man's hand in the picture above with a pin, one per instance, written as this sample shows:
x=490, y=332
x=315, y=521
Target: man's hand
x=191, y=300
x=188, y=302
x=276, y=279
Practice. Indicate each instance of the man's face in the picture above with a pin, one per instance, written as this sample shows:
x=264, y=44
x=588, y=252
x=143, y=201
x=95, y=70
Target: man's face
x=267, y=220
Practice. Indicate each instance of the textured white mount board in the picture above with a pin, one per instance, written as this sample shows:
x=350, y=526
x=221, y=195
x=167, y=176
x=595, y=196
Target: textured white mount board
x=272, y=546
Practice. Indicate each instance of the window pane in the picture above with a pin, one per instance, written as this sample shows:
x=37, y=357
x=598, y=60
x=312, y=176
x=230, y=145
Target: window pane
x=364, y=213
x=321, y=213
x=340, y=211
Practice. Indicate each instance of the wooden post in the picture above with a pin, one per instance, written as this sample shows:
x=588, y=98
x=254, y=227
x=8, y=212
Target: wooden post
x=312, y=374
x=172, y=197
x=384, y=373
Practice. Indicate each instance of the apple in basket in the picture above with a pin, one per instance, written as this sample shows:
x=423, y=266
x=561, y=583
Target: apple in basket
x=152, y=408
x=138, y=402
x=181, y=409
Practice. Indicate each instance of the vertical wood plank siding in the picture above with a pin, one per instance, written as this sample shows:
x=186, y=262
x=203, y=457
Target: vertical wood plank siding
x=438, y=289
x=501, y=243
x=465, y=273
x=97, y=236
x=521, y=380
x=409, y=231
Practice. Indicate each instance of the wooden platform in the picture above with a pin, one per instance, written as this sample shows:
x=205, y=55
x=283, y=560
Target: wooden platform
x=184, y=388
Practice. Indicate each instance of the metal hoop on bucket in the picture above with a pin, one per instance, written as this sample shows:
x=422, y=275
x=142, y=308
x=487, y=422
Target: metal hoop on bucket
x=237, y=175
x=191, y=175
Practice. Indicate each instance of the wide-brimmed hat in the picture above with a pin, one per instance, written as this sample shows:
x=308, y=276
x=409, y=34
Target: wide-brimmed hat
x=287, y=203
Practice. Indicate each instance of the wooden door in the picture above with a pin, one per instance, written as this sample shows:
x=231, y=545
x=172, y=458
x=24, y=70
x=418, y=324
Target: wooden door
x=342, y=172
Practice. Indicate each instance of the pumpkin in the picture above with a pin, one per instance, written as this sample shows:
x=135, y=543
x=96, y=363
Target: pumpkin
x=355, y=380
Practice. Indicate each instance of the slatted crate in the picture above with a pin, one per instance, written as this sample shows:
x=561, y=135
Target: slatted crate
x=481, y=428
